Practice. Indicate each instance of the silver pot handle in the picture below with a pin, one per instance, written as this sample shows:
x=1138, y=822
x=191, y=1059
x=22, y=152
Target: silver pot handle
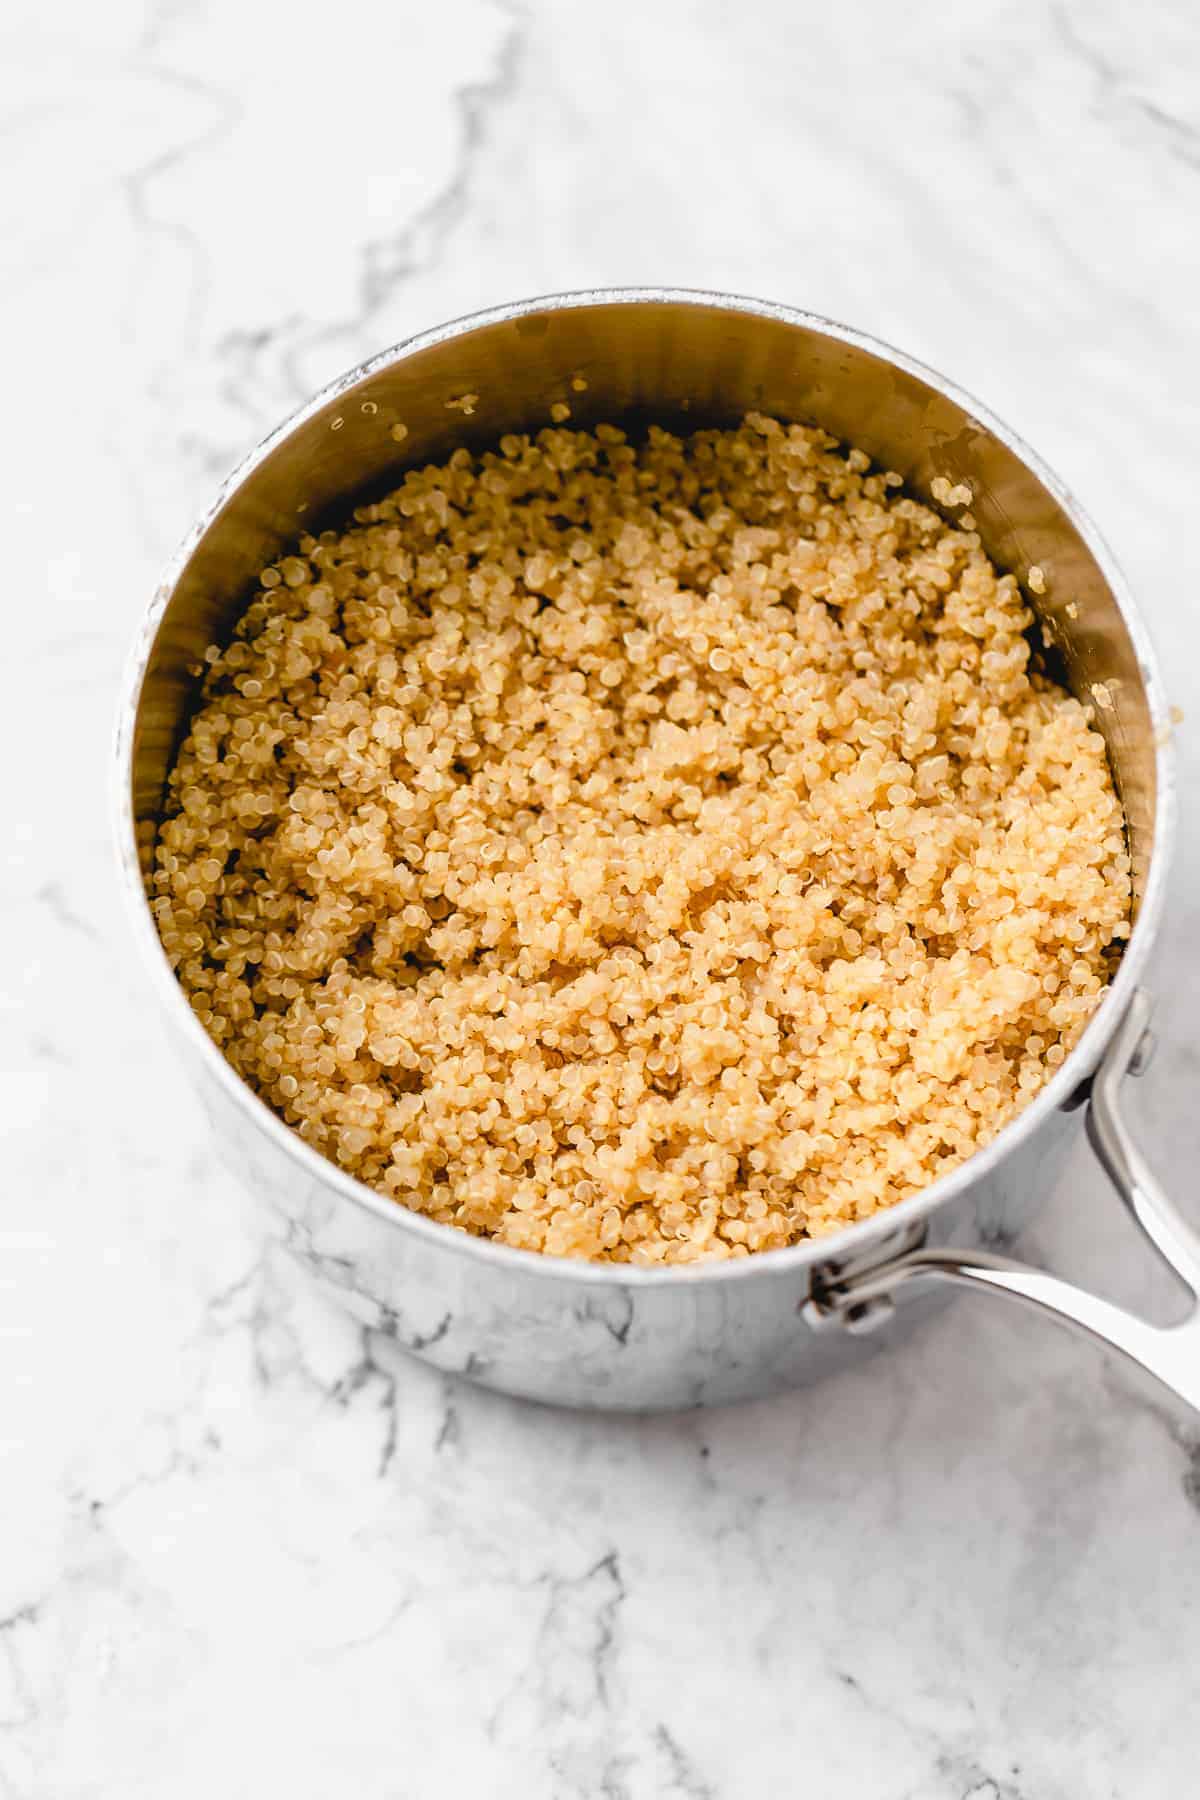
x=860, y=1300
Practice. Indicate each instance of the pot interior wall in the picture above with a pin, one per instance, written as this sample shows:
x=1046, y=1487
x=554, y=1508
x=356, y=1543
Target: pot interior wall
x=681, y=363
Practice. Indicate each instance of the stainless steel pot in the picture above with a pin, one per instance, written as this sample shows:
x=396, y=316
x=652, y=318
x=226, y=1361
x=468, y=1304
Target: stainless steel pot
x=604, y=1335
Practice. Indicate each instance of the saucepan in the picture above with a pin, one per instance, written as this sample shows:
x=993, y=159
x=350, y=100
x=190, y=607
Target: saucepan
x=609, y=1335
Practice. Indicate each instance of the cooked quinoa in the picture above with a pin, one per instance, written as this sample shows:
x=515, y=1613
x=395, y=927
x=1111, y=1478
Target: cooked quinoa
x=651, y=851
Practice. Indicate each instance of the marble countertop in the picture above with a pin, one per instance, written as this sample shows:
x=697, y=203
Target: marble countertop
x=244, y=1551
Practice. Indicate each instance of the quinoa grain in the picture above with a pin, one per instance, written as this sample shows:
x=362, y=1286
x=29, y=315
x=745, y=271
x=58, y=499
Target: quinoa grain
x=652, y=851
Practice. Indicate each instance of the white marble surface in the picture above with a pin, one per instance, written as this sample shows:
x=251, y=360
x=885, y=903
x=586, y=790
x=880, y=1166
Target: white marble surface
x=241, y=1551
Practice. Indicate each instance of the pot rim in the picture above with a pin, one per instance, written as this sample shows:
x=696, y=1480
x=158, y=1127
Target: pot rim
x=853, y=1240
